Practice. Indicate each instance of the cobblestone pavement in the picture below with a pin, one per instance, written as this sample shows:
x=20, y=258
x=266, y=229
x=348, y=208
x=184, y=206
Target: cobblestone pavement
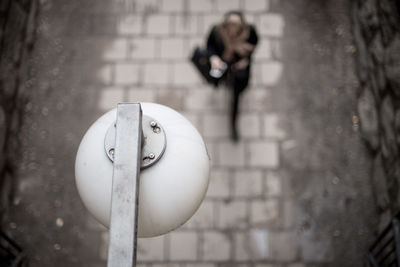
x=292, y=193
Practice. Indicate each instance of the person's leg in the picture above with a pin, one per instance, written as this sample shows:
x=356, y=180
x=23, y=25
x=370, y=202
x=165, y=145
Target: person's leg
x=240, y=81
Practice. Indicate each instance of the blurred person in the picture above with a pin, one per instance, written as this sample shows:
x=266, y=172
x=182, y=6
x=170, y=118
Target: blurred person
x=230, y=45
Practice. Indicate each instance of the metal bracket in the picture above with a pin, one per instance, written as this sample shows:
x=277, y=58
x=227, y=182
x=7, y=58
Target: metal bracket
x=153, y=142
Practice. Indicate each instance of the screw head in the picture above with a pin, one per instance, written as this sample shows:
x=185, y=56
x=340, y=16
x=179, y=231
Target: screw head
x=152, y=156
x=153, y=124
x=111, y=151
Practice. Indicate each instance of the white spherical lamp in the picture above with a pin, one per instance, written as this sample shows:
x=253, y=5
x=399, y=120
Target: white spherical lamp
x=173, y=178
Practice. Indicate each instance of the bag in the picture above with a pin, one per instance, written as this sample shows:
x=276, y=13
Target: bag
x=201, y=60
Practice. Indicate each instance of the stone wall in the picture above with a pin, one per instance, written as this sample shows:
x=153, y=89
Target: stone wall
x=17, y=30
x=377, y=37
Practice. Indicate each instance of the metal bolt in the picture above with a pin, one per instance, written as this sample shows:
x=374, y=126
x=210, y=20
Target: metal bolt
x=152, y=156
x=153, y=124
x=111, y=151
x=156, y=129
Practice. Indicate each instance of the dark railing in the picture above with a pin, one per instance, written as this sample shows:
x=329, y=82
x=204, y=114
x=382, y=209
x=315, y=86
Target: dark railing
x=385, y=251
x=11, y=255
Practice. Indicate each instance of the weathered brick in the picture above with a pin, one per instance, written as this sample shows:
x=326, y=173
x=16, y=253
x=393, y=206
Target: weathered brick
x=143, y=48
x=248, y=183
x=186, y=25
x=216, y=125
x=219, y=184
x=227, y=5
x=263, y=50
x=173, y=48
x=271, y=25
x=204, y=216
x=117, y=49
x=150, y=249
x=140, y=95
x=110, y=97
x=201, y=6
x=175, y=6
x=264, y=154
x=256, y=5
x=126, y=73
x=131, y=24
x=158, y=25
x=216, y=246
x=249, y=125
x=184, y=73
x=156, y=73
x=272, y=128
x=273, y=184
x=264, y=212
x=232, y=214
x=183, y=246
x=231, y=154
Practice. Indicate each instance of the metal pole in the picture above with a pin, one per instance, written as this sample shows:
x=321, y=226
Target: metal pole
x=125, y=186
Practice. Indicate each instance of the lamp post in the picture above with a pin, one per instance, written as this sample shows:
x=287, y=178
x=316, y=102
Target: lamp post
x=146, y=148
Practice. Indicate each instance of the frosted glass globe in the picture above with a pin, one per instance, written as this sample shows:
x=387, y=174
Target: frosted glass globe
x=170, y=191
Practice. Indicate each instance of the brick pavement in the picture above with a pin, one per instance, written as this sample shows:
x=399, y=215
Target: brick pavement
x=240, y=221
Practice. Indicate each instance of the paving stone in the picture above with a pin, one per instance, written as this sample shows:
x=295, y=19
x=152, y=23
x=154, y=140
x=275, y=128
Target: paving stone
x=193, y=43
x=117, y=49
x=131, y=24
x=271, y=127
x=232, y=214
x=207, y=98
x=126, y=73
x=271, y=25
x=140, y=95
x=263, y=154
x=255, y=99
x=185, y=74
x=173, y=48
x=251, y=245
x=264, y=212
x=263, y=50
x=230, y=154
x=216, y=125
x=167, y=264
x=186, y=25
x=297, y=265
x=183, y=246
x=204, y=216
x=200, y=265
x=146, y=6
x=208, y=22
x=273, y=187
x=175, y=6
x=216, y=246
x=156, y=73
x=227, y=5
x=158, y=25
x=194, y=118
x=219, y=186
x=204, y=6
x=248, y=183
x=150, y=249
x=249, y=125
x=105, y=237
x=270, y=73
x=256, y=5
x=104, y=74
x=143, y=48
x=110, y=97
x=170, y=97
x=283, y=246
